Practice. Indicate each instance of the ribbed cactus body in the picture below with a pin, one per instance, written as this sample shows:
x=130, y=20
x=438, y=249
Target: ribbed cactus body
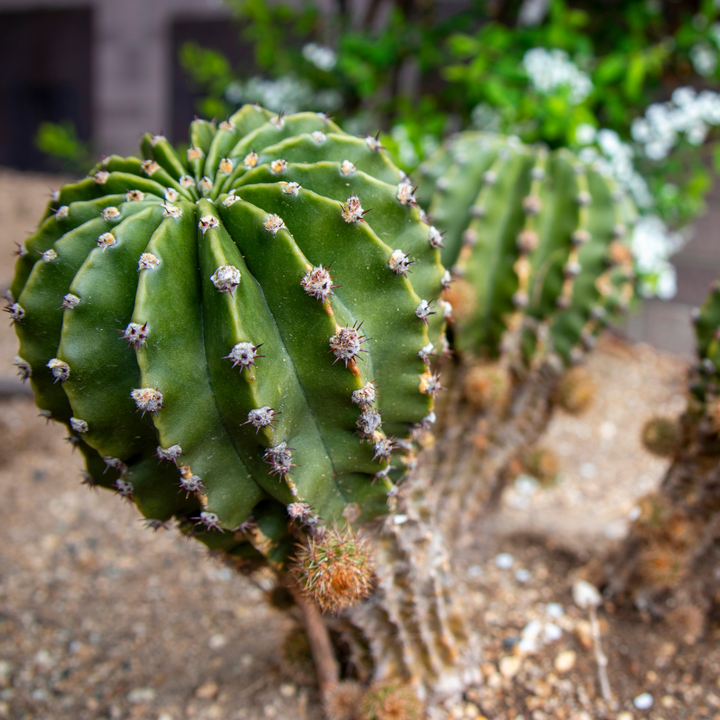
x=535, y=239
x=226, y=334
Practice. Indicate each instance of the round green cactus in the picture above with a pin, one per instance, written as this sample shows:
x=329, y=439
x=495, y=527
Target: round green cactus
x=230, y=335
x=535, y=241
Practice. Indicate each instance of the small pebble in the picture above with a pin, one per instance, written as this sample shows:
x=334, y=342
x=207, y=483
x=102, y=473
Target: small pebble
x=585, y=595
x=565, y=660
x=504, y=561
x=644, y=701
x=165, y=716
x=510, y=666
x=554, y=610
x=287, y=690
x=625, y=715
x=551, y=633
x=522, y=575
x=217, y=641
x=141, y=695
x=207, y=691
x=588, y=471
x=475, y=571
x=532, y=630
x=526, y=485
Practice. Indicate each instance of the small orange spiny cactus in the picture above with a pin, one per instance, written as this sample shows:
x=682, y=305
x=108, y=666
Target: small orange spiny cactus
x=541, y=463
x=661, y=436
x=343, y=701
x=463, y=297
x=334, y=568
x=487, y=386
x=662, y=565
x=660, y=521
x=391, y=700
x=575, y=391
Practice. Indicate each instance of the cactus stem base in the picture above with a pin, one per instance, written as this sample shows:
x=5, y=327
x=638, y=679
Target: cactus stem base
x=328, y=670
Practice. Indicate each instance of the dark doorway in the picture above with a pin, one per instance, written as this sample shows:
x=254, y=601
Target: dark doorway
x=45, y=75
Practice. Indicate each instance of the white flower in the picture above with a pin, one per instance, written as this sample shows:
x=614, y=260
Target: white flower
x=609, y=142
x=552, y=70
x=640, y=130
x=585, y=134
x=321, y=57
x=684, y=96
x=657, y=150
x=704, y=59
x=666, y=286
x=697, y=133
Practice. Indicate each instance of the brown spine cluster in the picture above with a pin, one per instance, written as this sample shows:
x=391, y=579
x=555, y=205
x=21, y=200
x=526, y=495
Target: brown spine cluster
x=334, y=568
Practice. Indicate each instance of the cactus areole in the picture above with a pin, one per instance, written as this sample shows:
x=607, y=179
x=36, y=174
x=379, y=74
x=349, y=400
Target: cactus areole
x=236, y=337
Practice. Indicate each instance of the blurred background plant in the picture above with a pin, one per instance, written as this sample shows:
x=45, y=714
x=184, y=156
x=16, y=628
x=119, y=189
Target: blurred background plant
x=61, y=143
x=628, y=84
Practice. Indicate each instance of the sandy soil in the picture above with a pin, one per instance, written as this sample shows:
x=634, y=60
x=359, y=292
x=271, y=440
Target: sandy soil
x=102, y=618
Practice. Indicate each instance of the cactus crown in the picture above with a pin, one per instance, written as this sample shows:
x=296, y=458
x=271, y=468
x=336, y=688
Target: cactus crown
x=535, y=243
x=226, y=335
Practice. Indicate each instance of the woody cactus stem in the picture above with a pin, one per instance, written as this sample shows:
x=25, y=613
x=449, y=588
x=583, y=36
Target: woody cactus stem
x=672, y=551
x=412, y=628
x=477, y=448
x=535, y=242
x=228, y=338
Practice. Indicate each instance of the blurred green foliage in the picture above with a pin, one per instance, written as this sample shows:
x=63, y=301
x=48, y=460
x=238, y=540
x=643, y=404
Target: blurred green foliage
x=60, y=141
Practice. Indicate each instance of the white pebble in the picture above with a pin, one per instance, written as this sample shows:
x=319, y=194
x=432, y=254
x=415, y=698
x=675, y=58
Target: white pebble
x=526, y=485
x=141, y=695
x=585, y=595
x=644, y=701
x=554, y=610
x=522, y=575
x=475, y=571
x=551, y=633
x=532, y=630
x=588, y=471
x=504, y=561
x=217, y=641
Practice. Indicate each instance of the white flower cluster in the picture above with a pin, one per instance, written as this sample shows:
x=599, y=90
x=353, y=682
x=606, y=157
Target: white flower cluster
x=652, y=241
x=704, y=59
x=286, y=94
x=320, y=56
x=613, y=158
x=689, y=114
x=653, y=244
x=552, y=70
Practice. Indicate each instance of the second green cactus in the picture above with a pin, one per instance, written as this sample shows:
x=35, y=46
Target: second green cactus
x=535, y=240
